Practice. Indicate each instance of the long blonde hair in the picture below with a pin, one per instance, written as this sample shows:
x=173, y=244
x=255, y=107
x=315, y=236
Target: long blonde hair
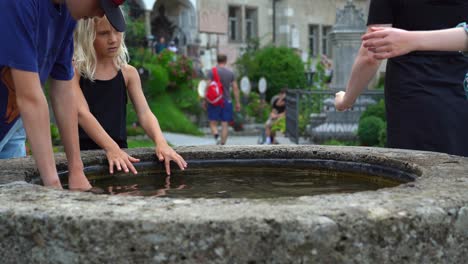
x=84, y=56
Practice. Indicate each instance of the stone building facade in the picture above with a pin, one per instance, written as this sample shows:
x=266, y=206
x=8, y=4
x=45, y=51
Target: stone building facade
x=202, y=28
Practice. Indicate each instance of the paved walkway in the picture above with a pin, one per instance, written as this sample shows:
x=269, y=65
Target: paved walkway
x=187, y=140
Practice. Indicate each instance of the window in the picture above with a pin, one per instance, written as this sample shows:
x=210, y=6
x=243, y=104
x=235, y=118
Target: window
x=251, y=23
x=326, y=30
x=313, y=40
x=234, y=24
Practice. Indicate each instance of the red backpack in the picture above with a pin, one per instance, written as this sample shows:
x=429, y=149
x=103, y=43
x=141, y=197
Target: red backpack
x=214, y=93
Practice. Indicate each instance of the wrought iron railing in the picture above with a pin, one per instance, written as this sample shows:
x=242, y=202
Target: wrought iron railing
x=311, y=114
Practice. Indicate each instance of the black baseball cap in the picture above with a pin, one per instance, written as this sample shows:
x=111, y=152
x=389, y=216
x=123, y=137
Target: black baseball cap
x=114, y=14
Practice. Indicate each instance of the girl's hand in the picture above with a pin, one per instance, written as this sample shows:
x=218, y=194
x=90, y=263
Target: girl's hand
x=389, y=42
x=121, y=160
x=340, y=102
x=165, y=153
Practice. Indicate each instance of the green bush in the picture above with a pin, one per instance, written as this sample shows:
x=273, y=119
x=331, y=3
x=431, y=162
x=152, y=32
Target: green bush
x=255, y=109
x=171, y=118
x=55, y=134
x=135, y=35
x=369, y=130
x=281, y=67
x=187, y=100
x=376, y=110
x=135, y=131
x=335, y=142
x=157, y=82
x=383, y=137
x=279, y=125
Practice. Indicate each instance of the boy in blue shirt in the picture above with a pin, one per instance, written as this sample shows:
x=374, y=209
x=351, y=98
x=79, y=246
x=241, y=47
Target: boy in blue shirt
x=38, y=44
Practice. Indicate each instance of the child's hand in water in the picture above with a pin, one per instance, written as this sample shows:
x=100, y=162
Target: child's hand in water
x=340, y=102
x=387, y=42
x=165, y=153
x=121, y=160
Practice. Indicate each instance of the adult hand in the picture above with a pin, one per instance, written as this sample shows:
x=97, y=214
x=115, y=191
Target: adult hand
x=238, y=107
x=340, y=102
x=204, y=106
x=121, y=160
x=165, y=153
x=387, y=42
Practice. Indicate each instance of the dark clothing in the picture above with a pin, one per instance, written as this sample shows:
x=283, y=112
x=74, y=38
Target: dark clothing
x=426, y=105
x=227, y=78
x=219, y=113
x=107, y=101
x=160, y=47
x=279, y=109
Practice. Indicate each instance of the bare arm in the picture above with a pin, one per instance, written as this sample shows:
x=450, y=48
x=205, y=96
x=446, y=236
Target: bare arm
x=364, y=68
x=391, y=42
x=149, y=122
x=66, y=114
x=35, y=114
x=115, y=156
x=236, y=91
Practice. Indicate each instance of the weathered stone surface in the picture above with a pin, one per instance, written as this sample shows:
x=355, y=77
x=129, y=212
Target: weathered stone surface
x=420, y=222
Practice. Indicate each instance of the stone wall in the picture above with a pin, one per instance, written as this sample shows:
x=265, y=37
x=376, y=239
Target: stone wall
x=421, y=222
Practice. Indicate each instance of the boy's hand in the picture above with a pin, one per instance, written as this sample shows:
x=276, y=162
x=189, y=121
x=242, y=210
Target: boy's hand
x=121, y=160
x=389, y=42
x=77, y=180
x=340, y=102
x=165, y=153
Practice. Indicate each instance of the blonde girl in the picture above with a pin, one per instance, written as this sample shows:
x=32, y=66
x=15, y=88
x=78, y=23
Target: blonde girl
x=103, y=79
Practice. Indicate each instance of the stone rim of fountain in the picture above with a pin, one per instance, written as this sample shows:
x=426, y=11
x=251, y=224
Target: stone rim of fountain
x=423, y=221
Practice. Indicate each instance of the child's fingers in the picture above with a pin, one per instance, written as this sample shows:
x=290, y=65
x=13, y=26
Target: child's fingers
x=167, y=162
x=131, y=167
x=133, y=160
x=160, y=157
x=124, y=165
x=180, y=164
x=111, y=167
x=182, y=160
x=117, y=164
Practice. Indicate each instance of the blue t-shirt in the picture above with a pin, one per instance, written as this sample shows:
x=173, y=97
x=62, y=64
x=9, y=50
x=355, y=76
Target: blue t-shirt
x=37, y=36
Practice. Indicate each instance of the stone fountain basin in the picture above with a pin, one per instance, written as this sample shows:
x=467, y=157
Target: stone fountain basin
x=425, y=221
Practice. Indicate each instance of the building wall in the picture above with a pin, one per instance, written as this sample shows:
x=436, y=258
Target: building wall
x=293, y=18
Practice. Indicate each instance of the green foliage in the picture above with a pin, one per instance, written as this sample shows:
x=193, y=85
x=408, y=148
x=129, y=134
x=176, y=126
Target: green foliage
x=171, y=118
x=187, y=100
x=135, y=35
x=334, y=142
x=373, y=133
x=377, y=110
x=135, y=131
x=256, y=109
x=158, y=80
x=380, y=83
x=279, y=125
x=383, y=137
x=369, y=130
x=145, y=143
x=54, y=132
x=281, y=67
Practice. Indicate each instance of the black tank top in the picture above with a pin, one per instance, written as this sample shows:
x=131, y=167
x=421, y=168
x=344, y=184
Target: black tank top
x=107, y=101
